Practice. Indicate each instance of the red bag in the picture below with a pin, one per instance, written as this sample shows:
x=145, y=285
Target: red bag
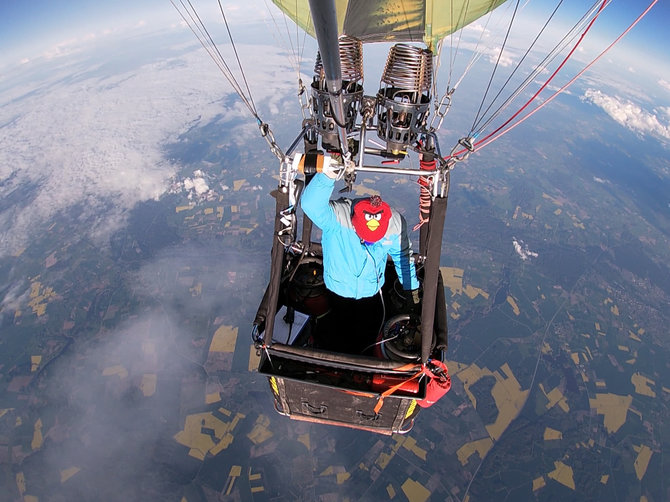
x=438, y=385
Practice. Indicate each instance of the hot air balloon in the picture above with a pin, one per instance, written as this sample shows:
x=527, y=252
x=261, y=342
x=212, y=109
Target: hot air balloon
x=325, y=364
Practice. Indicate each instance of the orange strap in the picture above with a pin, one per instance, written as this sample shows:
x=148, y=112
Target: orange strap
x=319, y=163
x=391, y=390
x=358, y=393
x=406, y=367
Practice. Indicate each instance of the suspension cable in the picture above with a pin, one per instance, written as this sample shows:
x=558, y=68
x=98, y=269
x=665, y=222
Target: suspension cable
x=477, y=53
x=490, y=138
x=237, y=57
x=546, y=83
x=502, y=49
x=461, y=154
x=558, y=48
x=440, y=107
x=295, y=49
x=190, y=16
x=523, y=85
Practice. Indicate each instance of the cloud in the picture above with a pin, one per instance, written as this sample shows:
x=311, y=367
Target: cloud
x=197, y=184
x=93, y=139
x=480, y=40
x=522, y=250
x=63, y=48
x=629, y=115
x=665, y=84
x=15, y=296
x=123, y=396
x=114, y=401
x=205, y=280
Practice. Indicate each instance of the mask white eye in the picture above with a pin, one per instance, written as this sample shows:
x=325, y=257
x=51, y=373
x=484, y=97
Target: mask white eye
x=369, y=216
x=377, y=216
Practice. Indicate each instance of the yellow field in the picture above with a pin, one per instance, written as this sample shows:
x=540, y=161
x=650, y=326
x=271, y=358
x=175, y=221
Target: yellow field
x=224, y=339
x=506, y=392
x=415, y=491
x=200, y=443
x=39, y=297
x=148, y=384
x=509, y=399
x=480, y=446
x=555, y=396
x=410, y=444
x=552, y=434
x=613, y=407
x=515, y=307
x=563, y=474
x=642, y=384
x=117, y=369
x=453, y=279
x=260, y=433
x=66, y=474
x=642, y=460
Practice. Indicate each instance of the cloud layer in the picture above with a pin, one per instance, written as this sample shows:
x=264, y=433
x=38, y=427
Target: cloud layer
x=630, y=115
x=76, y=133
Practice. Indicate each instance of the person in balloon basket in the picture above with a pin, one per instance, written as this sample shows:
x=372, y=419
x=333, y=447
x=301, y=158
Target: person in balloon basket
x=357, y=237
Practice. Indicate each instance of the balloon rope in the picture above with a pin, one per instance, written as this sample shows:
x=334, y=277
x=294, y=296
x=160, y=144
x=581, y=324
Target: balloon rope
x=191, y=18
x=527, y=103
x=493, y=136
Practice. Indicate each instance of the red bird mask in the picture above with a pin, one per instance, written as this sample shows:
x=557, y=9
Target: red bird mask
x=371, y=218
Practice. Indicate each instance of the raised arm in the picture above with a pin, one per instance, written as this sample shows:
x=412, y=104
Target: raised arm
x=315, y=201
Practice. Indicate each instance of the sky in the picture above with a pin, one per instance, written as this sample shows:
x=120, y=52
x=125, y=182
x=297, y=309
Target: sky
x=115, y=135
x=30, y=27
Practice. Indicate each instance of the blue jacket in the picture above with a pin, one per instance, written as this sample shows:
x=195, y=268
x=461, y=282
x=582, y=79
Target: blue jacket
x=351, y=268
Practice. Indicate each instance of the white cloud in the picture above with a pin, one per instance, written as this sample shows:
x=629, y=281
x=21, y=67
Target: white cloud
x=198, y=185
x=95, y=140
x=110, y=394
x=628, y=114
x=665, y=84
x=522, y=249
x=475, y=28
x=15, y=296
x=478, y=38
x=63, y=48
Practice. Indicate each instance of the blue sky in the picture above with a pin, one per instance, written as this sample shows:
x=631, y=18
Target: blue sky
x=650, y=37
x=24, y=21
x=30, y=28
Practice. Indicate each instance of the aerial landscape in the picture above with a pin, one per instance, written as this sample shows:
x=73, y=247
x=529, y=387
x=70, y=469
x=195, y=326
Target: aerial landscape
x=137, y=221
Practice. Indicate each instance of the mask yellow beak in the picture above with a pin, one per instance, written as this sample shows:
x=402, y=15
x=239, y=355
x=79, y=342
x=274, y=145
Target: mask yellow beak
x=373, y=224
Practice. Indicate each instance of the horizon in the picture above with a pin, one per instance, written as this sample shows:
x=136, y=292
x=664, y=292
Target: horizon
x=81, y=22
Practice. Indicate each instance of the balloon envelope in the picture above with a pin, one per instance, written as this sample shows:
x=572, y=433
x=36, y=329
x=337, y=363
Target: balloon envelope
x=425, y=21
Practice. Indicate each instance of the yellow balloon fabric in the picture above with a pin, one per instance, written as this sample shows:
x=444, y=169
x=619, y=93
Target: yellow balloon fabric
x=426, y=21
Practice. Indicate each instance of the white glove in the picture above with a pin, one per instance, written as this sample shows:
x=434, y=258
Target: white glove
x=331, y=168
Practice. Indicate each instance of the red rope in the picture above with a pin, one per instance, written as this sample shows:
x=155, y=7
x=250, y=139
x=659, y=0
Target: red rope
x=485, y=141
x=494, y=135
x=565, y=60
x=425, y=199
